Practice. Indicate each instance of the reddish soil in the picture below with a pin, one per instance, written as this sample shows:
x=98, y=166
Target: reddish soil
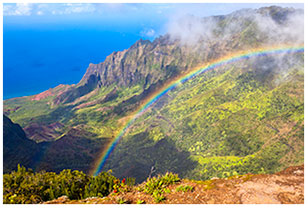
x=285, y=187
x=43, y=95
x=51, y=92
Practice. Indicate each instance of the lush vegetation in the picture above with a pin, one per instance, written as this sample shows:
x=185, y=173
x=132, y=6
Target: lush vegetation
x=235, y=120
x=242, y=117
x=160, y=182
x=157, y=186
x=25, y=186
x=238, y=119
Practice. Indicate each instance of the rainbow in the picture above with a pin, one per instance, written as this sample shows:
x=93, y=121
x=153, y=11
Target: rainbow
x=234, y=57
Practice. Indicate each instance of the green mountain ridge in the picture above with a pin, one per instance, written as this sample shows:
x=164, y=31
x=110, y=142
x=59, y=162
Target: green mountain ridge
x=240, y=118
x=233, y=123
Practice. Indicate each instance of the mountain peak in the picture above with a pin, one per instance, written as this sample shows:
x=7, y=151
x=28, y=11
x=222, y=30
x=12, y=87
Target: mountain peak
x=140, y=42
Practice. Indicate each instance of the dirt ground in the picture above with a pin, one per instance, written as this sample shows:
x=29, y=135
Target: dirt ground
x=285, y=187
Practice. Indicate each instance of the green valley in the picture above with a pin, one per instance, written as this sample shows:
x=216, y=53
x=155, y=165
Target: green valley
x=239, y=118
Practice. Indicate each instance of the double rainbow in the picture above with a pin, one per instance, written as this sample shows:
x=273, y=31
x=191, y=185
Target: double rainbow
x=181, y=79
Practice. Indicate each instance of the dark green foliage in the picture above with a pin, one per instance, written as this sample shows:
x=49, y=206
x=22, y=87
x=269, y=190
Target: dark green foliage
x=78, y=153
x=49, y=156
x=161, y=155
x=241, y=118
x=100, y=185
x=25, y=187
x=130, y=181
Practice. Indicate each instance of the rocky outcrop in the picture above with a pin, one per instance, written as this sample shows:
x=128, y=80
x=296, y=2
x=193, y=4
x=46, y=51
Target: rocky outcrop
x=78, y=91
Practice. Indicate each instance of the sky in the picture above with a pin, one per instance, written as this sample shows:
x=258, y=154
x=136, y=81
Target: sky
x=45, y=45
x=150, y=19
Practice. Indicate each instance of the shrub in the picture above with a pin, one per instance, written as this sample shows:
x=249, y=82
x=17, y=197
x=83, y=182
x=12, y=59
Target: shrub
x=158, y=196
x=25, y=187
x=122, y=200
x=157, y=185
x=184, y=188
x=100, y=185
x=160, y=182
x=140, y=201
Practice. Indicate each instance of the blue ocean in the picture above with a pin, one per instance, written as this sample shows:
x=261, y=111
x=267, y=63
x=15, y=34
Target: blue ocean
x=41, y=56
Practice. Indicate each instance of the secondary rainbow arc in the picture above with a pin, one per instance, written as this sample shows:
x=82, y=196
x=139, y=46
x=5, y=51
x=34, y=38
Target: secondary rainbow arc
x=171, y=85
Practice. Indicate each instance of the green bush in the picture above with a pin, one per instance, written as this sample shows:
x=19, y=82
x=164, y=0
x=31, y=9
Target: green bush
x=184, y=188
x=26, y=187
x=158, y=196
x=157, y=185
x=160, y=182
x=100, y=185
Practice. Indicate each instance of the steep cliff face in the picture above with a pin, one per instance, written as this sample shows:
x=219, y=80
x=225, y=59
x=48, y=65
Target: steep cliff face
x=148, y=62
x=78, y=91
x=17, y=148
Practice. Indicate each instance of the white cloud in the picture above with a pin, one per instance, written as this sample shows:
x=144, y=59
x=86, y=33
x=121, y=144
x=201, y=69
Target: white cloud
x=148, y=32
x=41, y=9
x=79, y=8
x=20, y=9
x=291, y=30
x=190, y=29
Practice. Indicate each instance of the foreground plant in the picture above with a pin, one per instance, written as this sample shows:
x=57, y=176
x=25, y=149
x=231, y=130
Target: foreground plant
x=184, y=188
x=26, y=187
x=156, y=186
